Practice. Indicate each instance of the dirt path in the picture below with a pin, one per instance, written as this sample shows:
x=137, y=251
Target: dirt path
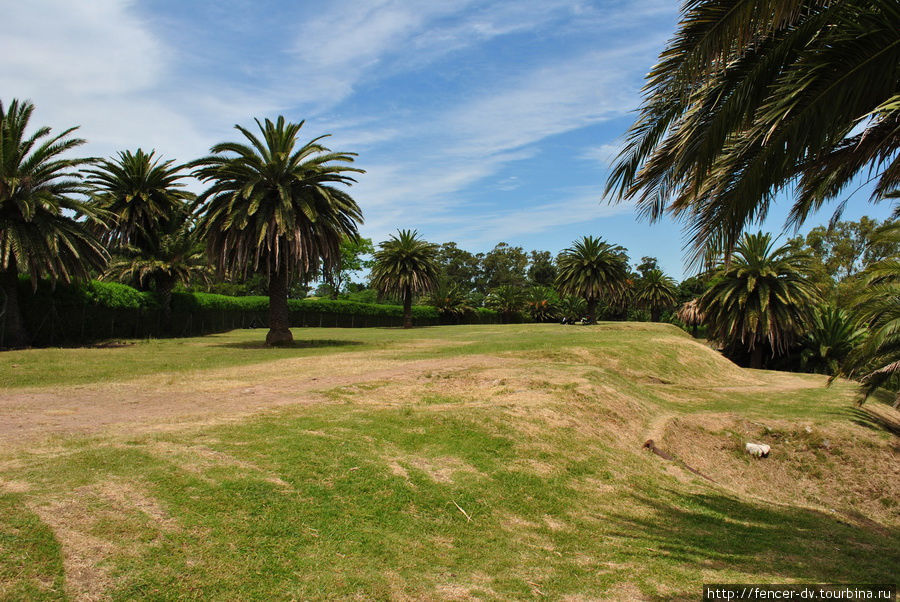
x=169, y=401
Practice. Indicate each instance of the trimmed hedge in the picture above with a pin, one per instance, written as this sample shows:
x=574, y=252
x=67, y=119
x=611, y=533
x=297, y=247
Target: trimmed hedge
x=91, y=311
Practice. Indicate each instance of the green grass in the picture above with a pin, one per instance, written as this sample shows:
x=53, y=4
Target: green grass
x=432, y=494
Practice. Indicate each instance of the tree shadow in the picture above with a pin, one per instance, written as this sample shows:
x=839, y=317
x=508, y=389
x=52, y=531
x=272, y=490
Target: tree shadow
x=875, y=415
x=304, y=344
x=776, y=543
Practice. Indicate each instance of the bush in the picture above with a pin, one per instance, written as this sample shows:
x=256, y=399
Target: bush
x=90, y=311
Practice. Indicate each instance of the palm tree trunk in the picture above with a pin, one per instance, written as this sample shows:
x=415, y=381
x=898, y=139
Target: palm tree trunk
x=279, y=331
x=756, y=356
x=591, y=310
x=15, y=334
x=407, y=307
x=164, y=287
x=655, y=314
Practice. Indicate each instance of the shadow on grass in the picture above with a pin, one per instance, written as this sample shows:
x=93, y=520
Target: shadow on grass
x=305, y=344
x=770, y=543
x=870, y=418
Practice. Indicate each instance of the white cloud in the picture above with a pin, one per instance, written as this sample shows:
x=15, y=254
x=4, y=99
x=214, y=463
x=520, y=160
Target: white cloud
x=604, y=154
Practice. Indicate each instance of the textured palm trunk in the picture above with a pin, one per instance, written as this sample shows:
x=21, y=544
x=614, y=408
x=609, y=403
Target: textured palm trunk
x=14, y=334
x=591, y=310
x=279, y=331
x=164, y=287
x=756, y=357
x=407, y=307
x=655, y=314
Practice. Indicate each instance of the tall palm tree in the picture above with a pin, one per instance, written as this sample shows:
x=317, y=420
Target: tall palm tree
x=175, y=256
x=592, y=269
x=656, y=292
x=877, y=362
x=762, y=296
x=39, y=233
x=405, y=265
x=273, y=206
x=140, y=193
x=751, y=96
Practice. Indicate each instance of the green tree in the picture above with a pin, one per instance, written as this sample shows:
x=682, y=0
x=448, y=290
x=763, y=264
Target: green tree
x=503, y=265
x=142, y=195
x=275, y=206
x=592, y=269
x=761, y=297
x=406, y=265
x=655, y=292
x=39, y=234
x=355, y=256
x=458, y=266
x=751, y=97
x=450, y=301
x=541, y=269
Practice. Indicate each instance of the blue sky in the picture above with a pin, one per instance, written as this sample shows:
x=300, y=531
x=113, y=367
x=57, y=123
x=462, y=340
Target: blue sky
x=476, y=122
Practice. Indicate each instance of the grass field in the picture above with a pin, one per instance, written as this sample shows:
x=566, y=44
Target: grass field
x=476, y=462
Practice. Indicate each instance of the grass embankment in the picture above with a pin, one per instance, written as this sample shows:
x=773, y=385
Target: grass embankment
x=457, y=462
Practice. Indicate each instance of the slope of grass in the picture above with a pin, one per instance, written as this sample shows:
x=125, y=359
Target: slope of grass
x=521, y=477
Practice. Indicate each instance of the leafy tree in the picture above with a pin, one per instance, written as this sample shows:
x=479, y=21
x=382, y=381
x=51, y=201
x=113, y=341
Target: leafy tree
x=655, y=292
x=592, y=269
x=542, y=302
x=353, y=258
x=541, y=269
x=39, y=234
x=405, y=265
x=750, y=97
x=503, y=265
x=762, y=297
x=273, y=206
x=142, y=195
x=508, y=300
x=647, y=264
x=458, y=266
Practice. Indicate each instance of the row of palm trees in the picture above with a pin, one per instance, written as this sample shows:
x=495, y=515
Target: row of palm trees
x=272, y=205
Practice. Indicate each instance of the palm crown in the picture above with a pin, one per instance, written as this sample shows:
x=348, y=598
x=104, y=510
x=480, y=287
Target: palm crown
x=592, y=269
x=272, y=204
x=405, y=265
x=762, y=295
x=656, y=291
x=749, y=96
x=39, y=233
x=141, y=195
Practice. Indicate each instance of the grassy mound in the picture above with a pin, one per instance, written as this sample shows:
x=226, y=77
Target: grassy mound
x=442, y=463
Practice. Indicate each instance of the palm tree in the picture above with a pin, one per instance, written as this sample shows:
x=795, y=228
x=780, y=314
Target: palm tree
x=877, y=362
x=449, y=300
x=508, y=300
x=174, y=257
x=655, y=292
x=830, y=337
x=140, y=193
x=405, y=266
x=272, y=206
x=752, y=96
x=762, y=296
x=39, y=233
x=689, y=313
x=542, y=302
x=592, y=269
x=572, y=308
